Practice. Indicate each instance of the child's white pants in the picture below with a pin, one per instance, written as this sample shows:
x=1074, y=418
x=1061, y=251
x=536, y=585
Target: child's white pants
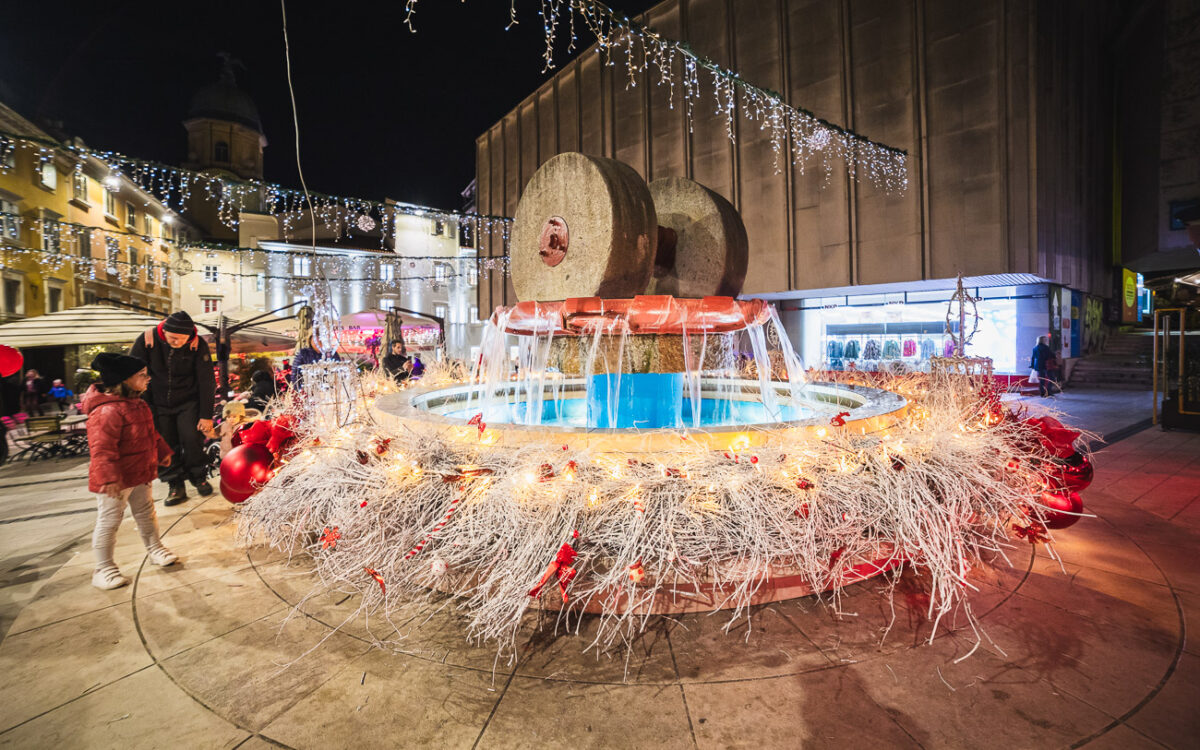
x=110, y=512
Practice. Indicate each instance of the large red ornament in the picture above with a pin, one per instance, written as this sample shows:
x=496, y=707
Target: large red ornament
x=10, y=361
x=1076, y=472
x=247, y=467
x=232, y=495
x=1061, y=509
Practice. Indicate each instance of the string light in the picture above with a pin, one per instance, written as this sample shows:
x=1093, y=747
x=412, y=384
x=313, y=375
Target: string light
x=794, y=133
x=174, y=186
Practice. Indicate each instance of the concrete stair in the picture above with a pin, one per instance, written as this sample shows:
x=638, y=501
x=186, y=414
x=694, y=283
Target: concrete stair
x=1124, y=364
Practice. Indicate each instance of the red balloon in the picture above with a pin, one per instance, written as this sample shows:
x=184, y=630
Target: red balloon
x=246, y=468
x=232, y=495
x=1076, y=472
x=1060, y=509
x=10, y=361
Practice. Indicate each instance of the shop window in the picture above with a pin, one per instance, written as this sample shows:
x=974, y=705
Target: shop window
x=48, y=175
x=211, y=274
x=221, y=152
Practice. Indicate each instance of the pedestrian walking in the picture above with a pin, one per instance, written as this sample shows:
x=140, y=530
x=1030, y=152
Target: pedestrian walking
x=1037, y=363
x=61, y=394
x=125, y=452
x=181, y=395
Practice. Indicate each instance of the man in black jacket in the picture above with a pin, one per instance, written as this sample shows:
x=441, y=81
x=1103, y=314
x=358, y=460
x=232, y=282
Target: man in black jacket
x=181, y=394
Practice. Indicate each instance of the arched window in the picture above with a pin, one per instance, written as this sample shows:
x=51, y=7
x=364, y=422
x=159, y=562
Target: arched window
x=221, y=152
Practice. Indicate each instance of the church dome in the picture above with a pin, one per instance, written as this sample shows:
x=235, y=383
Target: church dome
x=223, y=100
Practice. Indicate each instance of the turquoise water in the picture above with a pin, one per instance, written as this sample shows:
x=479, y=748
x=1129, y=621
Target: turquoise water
x=574, y=413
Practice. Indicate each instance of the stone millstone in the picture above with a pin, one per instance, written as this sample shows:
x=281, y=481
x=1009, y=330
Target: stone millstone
x=711, y=250
x=585, y=227
x=644, y=353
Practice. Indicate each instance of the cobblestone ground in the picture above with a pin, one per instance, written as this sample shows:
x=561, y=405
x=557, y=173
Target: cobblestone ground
x=221, y=652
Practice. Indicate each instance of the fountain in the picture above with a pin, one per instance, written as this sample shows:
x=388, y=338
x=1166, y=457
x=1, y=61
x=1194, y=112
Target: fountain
x=659, y=449
x=630, y=339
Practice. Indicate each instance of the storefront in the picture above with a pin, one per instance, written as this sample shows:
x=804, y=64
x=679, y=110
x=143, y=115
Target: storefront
x=884, y=328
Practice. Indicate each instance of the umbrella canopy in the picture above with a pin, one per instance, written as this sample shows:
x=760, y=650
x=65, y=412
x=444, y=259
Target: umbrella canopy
x=375, y=318
x=238, y=314
x=79, y=326
x=252, y=339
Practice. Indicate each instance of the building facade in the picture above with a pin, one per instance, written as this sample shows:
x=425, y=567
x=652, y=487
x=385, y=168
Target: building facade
x=1006, y=108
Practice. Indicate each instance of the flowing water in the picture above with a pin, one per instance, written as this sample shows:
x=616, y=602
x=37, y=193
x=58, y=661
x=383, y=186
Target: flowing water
x=538, y=394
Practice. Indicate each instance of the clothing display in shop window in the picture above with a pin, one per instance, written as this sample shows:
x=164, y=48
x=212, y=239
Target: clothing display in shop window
x=871, y=349
x=851, y=351
x=836, y=364
x=926, y=348
x=834, y=349
x=891, y=349
x=910, y=348
x=948, y=348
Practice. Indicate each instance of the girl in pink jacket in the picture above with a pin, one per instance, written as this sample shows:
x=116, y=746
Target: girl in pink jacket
x=126, y=452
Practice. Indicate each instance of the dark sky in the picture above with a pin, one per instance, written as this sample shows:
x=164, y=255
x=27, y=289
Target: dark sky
x=383, y=112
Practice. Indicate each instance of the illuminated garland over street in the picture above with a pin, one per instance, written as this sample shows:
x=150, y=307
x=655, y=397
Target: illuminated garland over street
x=798, y=133
x=174, y=187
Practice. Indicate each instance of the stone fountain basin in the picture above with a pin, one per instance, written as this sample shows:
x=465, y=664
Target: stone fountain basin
x=424, y=410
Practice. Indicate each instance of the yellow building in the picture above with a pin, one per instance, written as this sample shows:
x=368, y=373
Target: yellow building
x=73, y=233
x=36, y=272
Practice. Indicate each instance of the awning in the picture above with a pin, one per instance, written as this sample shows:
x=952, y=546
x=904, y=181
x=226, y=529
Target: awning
x=79, y=326
x=102, y=324
x=252, y=339
x=375, y=318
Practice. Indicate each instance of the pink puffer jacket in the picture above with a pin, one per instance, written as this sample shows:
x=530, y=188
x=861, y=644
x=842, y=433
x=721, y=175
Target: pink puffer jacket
x=125, y=448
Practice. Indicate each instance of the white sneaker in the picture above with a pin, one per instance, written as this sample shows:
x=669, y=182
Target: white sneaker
x=160, y=555
x=109, y=578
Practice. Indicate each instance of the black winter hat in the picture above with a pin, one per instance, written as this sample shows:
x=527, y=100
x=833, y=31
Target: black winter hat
x=179, y=322
x=115, y=368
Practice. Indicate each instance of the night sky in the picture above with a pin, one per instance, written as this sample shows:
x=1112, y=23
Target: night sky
x=383, y=112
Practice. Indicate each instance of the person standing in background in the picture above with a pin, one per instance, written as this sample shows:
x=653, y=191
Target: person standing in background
x=31, y=393
x=1038, y=361
x=181, y=395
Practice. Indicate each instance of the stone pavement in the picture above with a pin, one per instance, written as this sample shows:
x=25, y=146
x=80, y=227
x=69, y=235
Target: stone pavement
x=223, y=650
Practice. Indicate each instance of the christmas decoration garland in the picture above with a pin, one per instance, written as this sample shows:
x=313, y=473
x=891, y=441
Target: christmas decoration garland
x=398, y=516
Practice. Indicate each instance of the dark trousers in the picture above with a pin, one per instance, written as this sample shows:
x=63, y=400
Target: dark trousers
x=1043, y=383
x=31, y=404
x=177, y=425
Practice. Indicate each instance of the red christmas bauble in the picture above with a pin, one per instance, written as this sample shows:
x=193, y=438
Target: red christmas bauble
x=10, y=361
x=232, y=495
x=246, y=468
x=1060, y=509
x=1076, y=472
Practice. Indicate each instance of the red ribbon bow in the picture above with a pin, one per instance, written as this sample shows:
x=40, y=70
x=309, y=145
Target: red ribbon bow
x=1033, y=533
x=477, y=420
x=838, y=420
x=560, y=568
x=330, y=537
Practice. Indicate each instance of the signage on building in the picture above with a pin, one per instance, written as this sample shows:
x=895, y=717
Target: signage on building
x=1129, y=295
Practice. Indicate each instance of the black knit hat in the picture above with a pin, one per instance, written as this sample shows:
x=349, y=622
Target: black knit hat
x=115, y=368
x=179, y=322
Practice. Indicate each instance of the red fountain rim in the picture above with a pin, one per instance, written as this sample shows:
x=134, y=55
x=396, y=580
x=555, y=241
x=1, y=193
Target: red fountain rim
x=644, y=314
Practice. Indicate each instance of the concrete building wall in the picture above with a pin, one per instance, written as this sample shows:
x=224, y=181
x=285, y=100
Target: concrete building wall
x=993, y=100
